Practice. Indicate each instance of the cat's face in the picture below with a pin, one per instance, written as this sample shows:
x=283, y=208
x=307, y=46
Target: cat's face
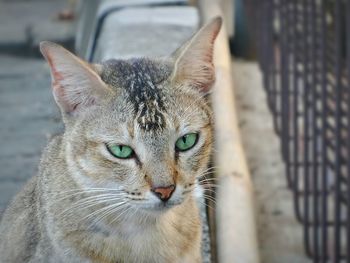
x=117, y=146
x=142, y=127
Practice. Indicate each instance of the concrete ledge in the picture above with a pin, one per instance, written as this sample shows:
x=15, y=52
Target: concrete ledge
x=235, y=218
x=94, y=12
x=142, y=31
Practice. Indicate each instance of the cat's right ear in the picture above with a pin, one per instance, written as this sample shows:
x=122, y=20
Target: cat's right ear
x=194, y=60
x=75, y=83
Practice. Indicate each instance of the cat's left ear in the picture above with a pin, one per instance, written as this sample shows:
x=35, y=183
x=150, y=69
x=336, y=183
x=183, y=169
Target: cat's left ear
x=194, y=60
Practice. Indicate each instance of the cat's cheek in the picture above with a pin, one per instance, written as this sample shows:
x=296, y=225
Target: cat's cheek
x=87, y=166
x=78, y=174
x=200, y=159
x=186, y=168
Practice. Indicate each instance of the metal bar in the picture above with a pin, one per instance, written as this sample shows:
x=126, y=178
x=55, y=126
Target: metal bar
x=263, y=24
x=315, y=181
x=279, y=98
x=324, y=166
x=276, y=64
x=285, y=88
x=295, y=92
x=307, y=159
x=269, y=54
x=337, y=212
x=348, y=128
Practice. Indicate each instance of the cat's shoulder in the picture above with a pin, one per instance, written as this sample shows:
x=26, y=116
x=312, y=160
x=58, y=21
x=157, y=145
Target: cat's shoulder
x=18, y=225
x=24, y=200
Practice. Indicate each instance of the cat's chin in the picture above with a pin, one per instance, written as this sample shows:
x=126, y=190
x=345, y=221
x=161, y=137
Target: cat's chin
x=160, y=207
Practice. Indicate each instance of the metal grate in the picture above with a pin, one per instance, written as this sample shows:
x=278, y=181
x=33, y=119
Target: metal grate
x=304, y=52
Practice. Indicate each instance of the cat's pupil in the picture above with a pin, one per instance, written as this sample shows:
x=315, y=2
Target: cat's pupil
x=184, y=139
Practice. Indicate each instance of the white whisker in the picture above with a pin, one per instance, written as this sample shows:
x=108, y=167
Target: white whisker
x=89, y=202
x=106, y=211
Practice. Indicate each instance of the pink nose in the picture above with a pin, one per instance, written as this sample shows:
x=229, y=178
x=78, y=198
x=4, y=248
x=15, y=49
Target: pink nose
x=164, y=193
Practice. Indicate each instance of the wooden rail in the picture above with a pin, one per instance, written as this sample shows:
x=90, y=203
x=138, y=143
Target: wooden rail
x=236, y=234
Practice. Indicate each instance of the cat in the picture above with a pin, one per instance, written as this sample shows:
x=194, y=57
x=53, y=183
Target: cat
x=118, y=185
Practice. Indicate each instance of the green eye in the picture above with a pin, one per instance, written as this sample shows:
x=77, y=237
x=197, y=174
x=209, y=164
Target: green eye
x=186, y=142
x=120, y=151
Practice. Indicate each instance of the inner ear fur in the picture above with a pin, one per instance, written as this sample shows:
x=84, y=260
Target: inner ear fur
x=76, y=84
x=194, y=60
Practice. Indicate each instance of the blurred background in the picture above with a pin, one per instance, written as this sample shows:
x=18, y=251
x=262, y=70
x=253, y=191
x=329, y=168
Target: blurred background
x=28, y=115
x=291, y=81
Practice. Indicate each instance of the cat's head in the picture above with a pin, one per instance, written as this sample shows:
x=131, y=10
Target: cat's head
x=140, y=128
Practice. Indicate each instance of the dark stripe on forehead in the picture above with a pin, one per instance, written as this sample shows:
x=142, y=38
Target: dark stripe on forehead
x=141, y=79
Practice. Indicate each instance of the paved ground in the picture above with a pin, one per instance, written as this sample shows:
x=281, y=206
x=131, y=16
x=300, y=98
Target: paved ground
x=28, y=115
x=23, y=24
x=28, y=119
x=280, y=235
